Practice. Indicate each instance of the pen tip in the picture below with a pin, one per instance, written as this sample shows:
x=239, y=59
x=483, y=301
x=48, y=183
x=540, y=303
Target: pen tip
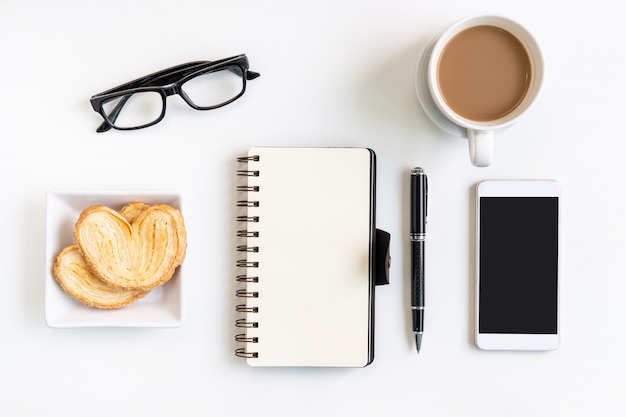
x=418, y=341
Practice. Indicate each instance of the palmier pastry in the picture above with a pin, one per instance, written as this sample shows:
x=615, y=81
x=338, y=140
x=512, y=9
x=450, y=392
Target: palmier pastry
x=137, y=256
x=76, y=279
x=132, y=210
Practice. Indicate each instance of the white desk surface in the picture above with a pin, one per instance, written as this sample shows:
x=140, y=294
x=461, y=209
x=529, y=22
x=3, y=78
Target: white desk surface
x=334, y=73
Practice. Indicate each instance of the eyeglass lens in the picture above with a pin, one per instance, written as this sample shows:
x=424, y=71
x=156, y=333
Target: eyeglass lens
x=211, y=89
x=206, y=90
x=134, y=110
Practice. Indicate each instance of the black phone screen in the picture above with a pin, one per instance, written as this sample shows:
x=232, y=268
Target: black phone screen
x=518, y=265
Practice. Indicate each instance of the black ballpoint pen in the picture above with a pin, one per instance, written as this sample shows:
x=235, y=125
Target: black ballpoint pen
x=419, y=203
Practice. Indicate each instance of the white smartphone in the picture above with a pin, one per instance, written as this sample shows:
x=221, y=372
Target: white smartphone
x=517, y=264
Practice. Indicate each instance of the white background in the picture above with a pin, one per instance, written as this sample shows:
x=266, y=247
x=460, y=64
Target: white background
x=334, y=73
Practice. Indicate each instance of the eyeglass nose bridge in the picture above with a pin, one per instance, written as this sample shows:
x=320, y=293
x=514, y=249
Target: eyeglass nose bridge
x=171, y=90
x=176, y=89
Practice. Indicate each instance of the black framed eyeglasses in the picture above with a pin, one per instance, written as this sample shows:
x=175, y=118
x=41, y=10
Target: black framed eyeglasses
x=204, y=85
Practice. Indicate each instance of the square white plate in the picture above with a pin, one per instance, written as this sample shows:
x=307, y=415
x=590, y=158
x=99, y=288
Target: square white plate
x=163, y=307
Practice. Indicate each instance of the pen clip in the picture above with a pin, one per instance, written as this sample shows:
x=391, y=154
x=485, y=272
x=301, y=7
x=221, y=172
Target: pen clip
x=426, y=199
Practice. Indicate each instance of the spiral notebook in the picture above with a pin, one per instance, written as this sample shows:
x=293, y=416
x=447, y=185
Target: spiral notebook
x=306, y=257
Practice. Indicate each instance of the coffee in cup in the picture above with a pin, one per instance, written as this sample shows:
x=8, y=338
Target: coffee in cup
x=484, y=72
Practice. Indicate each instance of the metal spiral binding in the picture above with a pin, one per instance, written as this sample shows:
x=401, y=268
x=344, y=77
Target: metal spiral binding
x=241, y=337
x=242, y=353
x=242, y=263
x=246, y=203
x=247, y=292
x=254, y=158
x=247, y=233
x=248, y=173
x=248, y=189
x=243, y=308
x=244, y=248
x=246, y=278
x=250, y=219
x=242, y=323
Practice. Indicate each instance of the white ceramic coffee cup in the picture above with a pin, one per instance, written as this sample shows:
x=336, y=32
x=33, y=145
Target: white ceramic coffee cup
x=480, y=134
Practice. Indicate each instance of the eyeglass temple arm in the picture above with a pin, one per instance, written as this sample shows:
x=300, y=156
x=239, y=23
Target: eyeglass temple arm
x=251, y=75
x=173, y=74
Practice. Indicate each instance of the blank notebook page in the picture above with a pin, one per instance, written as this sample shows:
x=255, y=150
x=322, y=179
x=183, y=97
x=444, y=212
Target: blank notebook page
x=315, y=288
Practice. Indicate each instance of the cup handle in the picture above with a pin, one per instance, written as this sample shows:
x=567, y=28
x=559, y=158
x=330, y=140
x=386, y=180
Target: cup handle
x=480, y=147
